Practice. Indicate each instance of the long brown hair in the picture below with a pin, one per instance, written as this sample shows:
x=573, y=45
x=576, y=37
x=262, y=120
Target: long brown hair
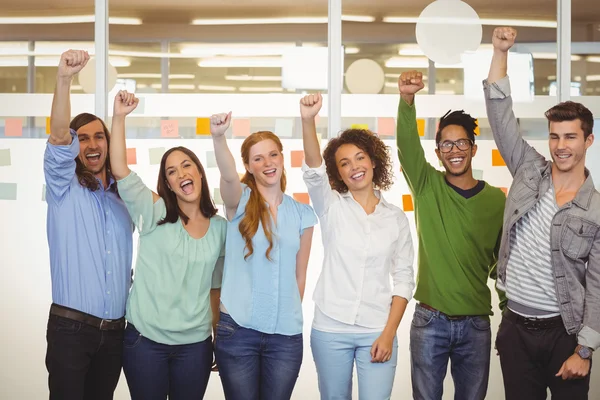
x=256, y=210
x=207, y=207
x=85, y=176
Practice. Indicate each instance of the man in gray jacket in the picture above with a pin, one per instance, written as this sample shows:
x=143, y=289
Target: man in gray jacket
x=549, y=261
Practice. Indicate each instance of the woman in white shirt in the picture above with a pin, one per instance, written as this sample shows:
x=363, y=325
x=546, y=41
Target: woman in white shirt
x=367, y=244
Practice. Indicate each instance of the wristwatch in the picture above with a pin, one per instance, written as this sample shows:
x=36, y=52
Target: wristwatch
x=584, y=352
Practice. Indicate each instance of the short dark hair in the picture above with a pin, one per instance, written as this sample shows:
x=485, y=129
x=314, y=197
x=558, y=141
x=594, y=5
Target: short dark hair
x=570, y=111
x=207, y=207
x=85, y=176
x=368, y=142
x=459, y=118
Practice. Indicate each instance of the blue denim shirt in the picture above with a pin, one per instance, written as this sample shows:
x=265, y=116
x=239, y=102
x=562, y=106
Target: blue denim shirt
x=89, y=238
x=260, y=294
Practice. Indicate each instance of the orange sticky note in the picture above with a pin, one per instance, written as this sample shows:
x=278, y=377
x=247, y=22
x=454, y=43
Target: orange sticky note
x=386, y=126
x=169, y=128
x=202, y=126
x=477, y=132
x=505, y=190
x=241, y=127
x=407, y=202
x=421, y=126
x=302, y=198
x=497, y=160
x=297, y=157
x=47, y=125
x=13, y=127
x=131, y=156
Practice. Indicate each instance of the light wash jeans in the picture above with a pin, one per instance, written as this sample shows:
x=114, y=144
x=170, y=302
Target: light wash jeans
x=334, y=355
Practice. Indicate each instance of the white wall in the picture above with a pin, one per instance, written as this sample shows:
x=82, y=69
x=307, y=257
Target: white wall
x=25, y=293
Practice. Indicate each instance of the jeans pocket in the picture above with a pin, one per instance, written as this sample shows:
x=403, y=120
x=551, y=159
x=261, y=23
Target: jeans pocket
x=481, y=324
x=225, y=330
x=422, y=317
x=131, y=338
x=64, y=325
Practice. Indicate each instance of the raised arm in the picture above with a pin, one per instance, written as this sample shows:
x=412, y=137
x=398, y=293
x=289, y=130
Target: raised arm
x=410, y=152
x=505, y=127
x=231, y=188
x=71, y=62
x=302, y=258
x=124, y=104
x=309, y=108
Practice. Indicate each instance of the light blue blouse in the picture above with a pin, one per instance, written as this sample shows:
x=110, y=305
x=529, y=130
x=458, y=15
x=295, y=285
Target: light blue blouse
x=260, y=294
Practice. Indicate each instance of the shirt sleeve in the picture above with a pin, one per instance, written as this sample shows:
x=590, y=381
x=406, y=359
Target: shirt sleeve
x=319, y=189
x=139, y=201
x=402, y=269
x=308, y=218
x=59, y=167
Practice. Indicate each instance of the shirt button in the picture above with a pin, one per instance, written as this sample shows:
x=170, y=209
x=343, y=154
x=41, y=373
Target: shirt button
x=108, y=292
x=105, y=312
x=108, y=232
x=108, y=272
x=108, y=252
x=106, y=212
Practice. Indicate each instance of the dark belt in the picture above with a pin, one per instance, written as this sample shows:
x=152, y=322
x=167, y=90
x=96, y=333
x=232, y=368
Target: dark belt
x=450, y=317
x=533, y=324
x=99, y=323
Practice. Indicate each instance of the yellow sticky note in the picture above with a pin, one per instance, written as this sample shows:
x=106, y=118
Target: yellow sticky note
x=421, y=127
x=47, y=125
x=360, y=126
x=202, y=126
x=497, y=160
x=477, y=128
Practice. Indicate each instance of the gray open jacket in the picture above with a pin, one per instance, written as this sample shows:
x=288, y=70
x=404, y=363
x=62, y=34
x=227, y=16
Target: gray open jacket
x=575, y=232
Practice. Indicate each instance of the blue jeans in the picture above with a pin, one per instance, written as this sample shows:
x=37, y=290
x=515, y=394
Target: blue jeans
x=334, y=355
x=435, y=339
x=255, y=365
x=154, y=370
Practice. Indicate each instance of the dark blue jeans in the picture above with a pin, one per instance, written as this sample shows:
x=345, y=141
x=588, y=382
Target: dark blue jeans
x=154, y=370
x=255, y=365
x=435, y=339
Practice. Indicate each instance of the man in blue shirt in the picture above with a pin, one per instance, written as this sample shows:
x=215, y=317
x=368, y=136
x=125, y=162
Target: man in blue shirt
x=90, y=242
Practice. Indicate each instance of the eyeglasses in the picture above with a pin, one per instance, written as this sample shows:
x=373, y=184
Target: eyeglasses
x=461, y=144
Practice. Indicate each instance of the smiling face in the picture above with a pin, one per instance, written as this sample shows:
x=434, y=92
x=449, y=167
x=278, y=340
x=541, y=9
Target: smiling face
x=183, y=177
x=354, y=167
x=567, y=144
x=456, y=161
x=93, y=147
x=265, y=163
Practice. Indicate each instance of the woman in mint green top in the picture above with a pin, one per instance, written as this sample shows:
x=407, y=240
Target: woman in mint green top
x=167, y=346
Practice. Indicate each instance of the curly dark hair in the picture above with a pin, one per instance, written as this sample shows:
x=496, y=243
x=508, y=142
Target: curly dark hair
x=368, y=142
x=459, y=118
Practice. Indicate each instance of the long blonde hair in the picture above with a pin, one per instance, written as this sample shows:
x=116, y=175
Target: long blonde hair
x=256, y=210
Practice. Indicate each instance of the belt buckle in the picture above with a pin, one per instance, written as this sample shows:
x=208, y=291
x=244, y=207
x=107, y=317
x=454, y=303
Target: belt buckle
x=104, y=321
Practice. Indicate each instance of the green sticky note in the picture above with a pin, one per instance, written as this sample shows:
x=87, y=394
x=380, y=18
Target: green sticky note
x=4, y=157
x=478, y=174
x=211, y=161
x=8, y=191
x=284, y=127
x=156, y=154
x=217, y=197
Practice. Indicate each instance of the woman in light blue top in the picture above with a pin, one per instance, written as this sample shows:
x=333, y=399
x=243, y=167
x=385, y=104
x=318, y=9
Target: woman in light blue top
x=259, y=344
x=167, y=348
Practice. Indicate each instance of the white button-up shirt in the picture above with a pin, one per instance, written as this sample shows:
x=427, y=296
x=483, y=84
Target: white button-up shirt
x=363, y=255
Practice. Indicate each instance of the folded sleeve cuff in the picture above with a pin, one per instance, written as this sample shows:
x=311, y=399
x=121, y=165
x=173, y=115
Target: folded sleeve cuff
x=589, y=338
x=403, y=290
x=497, y=90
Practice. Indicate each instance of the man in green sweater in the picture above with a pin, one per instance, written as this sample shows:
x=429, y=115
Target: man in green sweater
x=459, y=225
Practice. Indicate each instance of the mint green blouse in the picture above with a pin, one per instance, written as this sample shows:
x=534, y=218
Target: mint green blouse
x=169, y=301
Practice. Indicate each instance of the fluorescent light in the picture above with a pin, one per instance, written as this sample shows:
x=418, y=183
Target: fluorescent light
x=157, y=76
x=260, y=89
x=592, y=78
x=482, y=21
x=266, y=49
x=551, y=77
x=358, y=18
x=44, y=61
x=217, y=88
x=351, y=50
x=417, y=62
x=283, y=20
x=253, y=78
x=174, y=86
x=247, y=62
x=70, y=19
x=76, y=87
x=410, y=50
x=552, y=56
x=593, y=59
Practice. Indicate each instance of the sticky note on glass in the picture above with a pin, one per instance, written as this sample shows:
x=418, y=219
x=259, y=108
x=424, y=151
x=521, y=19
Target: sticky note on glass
x=297, y=157
x=477, y=132
x=478, y=174
x=13, y=127
x=4, y=157
x=131, y=156
x=421, y=127
x=360, y=126
x=241, y=127
x=407, y=202
x=156, y=154
x=47, y=125
x=43, y=192
x=202, y=126
x=386, y=126
x=217, y=197
x=497, y=160
x=505, y=190
x=302, y=198
x=8, y=191
x=284, y=127
x=211, y=160
x=169, y=128
x=141, y=107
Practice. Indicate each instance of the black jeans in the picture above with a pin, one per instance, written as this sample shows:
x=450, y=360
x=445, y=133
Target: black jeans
x=530, y=359
x=83, y=362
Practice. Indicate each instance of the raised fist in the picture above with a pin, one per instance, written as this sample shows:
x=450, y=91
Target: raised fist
x=310, y=105
x=125, y=103
x=410, y=82
x=71, y=62
x=504, y=38
x=219, y=123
